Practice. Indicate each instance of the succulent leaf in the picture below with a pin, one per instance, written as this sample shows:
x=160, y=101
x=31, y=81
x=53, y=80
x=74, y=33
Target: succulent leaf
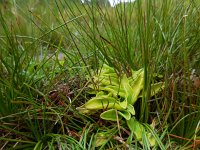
x=111, y=115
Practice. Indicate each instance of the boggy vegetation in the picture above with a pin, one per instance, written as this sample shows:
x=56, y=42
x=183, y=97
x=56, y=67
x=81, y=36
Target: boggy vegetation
x=90, y=76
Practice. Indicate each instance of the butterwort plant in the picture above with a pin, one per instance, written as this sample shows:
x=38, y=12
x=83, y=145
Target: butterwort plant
x=116, y=96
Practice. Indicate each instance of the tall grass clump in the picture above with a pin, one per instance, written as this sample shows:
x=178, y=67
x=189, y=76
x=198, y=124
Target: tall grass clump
x=160, y=36
x=55, y=56
x=38, y=69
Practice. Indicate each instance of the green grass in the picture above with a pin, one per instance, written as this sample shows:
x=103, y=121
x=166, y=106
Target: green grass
x=40, y=91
